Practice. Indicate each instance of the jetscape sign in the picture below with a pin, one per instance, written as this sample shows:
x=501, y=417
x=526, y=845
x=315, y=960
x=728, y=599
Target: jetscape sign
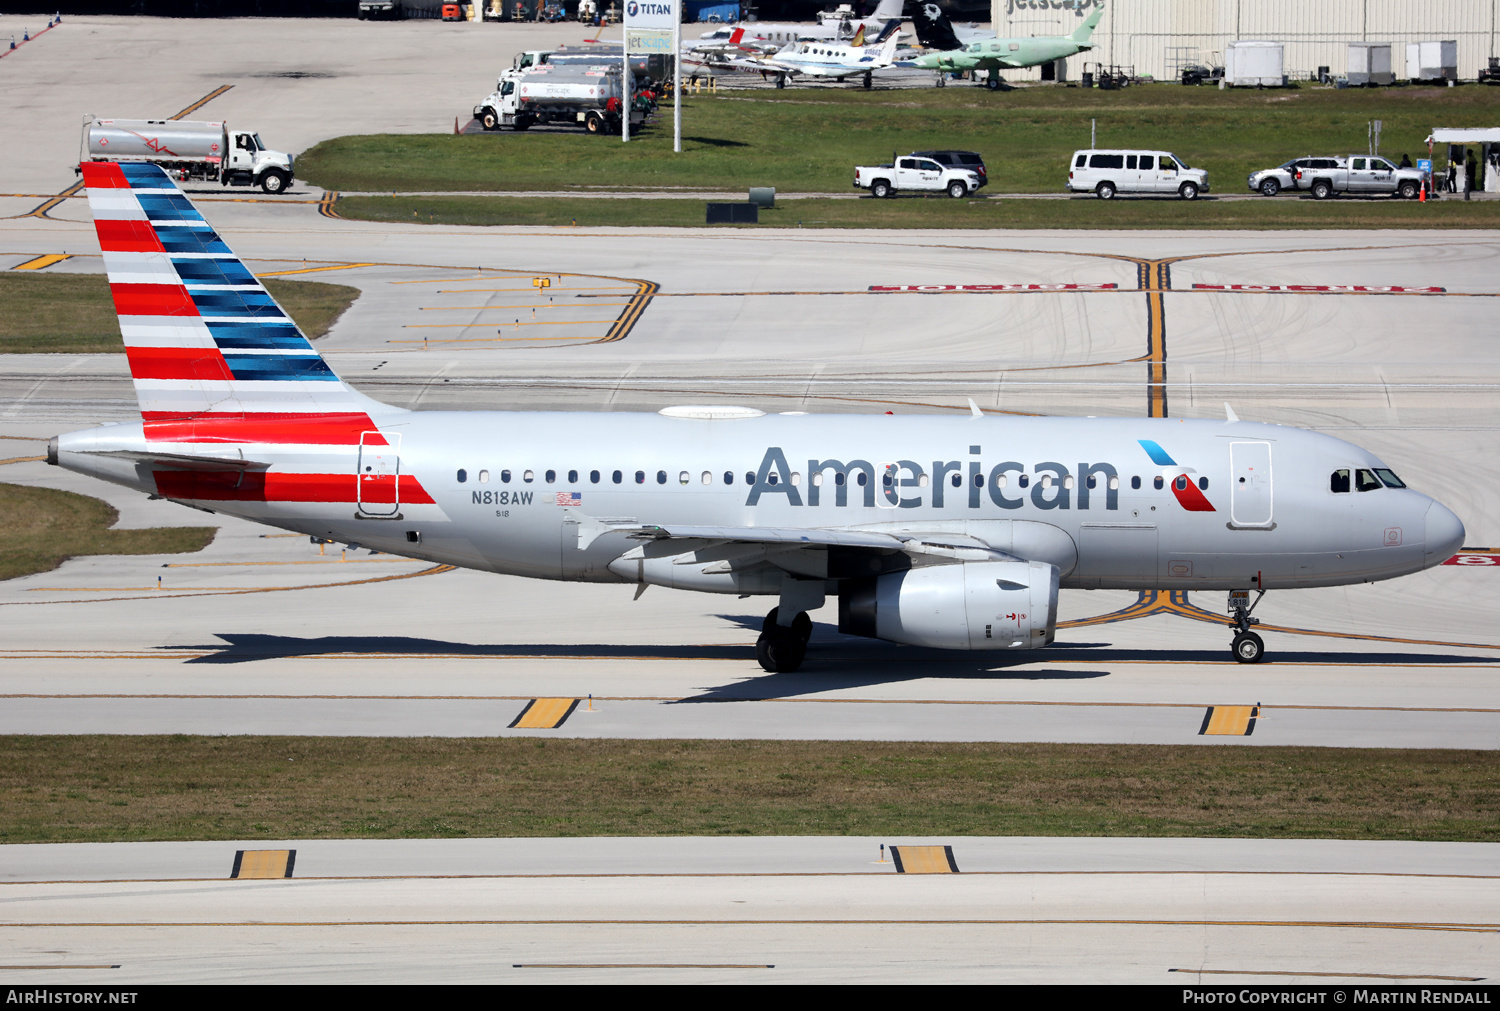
x=1368, y=289
x=991, y=287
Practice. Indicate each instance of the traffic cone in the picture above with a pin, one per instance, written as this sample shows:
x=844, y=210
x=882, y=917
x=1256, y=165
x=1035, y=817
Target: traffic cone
x=1422, y=198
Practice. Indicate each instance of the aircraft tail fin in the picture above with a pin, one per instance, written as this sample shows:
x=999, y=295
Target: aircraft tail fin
x=212, y=355
x=1085, y=31
x=934, y=30
x=888, y=51
x=890, y=28
x=858, y=42
x=886, y=10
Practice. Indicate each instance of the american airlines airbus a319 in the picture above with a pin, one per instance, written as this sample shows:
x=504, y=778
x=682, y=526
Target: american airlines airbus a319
x=948, y=532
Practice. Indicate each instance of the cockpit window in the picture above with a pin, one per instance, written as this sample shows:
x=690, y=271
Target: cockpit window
x=1365, y=480
x=1339, y=481
x=1389, y=477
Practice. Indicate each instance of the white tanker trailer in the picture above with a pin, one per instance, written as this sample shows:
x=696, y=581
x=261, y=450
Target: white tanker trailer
x=589, y=96
x=189, y=150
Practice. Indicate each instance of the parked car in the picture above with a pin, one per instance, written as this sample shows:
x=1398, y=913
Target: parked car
x=1360, y=174
x=960, y=160
x=1106, y=173
x=1284, y=177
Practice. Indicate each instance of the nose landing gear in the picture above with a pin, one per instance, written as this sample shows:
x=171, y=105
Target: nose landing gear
x=1247, y=647
x=781, y=648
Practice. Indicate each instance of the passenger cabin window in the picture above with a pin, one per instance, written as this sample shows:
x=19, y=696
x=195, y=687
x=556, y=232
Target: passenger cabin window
x=551, y=477
x=1203, y=483
x=1081, y=160
x=640, y=477
x=1365, y=480
x=1157, y=483
x=1338, y=481
x=1107, y=161
x=572, y=477
x=1135, y=483
x=1014, y=46
x=593, y=477
x=1148, y=162
x=529, y=476
x=1130, y=161
x=618, y=477
x=484, y=477
x=729, y=477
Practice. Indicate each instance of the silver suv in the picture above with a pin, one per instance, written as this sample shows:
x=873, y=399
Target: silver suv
x=1284, y=177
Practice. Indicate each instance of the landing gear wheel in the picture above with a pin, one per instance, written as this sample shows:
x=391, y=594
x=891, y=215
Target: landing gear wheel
x=801, y=625
x=993, y=84
x=780, y=651
x=781, y=80
x=1248, y=647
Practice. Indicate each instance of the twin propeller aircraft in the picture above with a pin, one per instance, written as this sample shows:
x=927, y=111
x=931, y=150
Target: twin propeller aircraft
x=948, y=532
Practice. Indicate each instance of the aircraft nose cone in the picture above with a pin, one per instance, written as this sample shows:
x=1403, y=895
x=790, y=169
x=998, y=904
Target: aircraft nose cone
x=1445, y=533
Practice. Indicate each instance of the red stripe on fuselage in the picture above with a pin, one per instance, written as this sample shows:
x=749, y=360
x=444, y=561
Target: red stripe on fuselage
x=270, y=486
x=1191, y=499
x=104, y=175
x=119, y=236
x=152, y=300
x=178, y=363
x=265, y=429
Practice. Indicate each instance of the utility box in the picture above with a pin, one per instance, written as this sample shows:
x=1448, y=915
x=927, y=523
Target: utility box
x=1249, y=64
x=1370, y=64
x=763, y=196
x=1432, y=61
x=733, y=214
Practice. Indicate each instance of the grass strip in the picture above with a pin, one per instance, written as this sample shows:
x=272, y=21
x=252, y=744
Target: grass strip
x=107, y=788
x=74, y=314
x=44, y=527
x=935, y=213
x=809, y=139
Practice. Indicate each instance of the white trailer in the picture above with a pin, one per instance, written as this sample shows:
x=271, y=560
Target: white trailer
x=189, y=150
x=592, y=97
x=1370, y=64
x=1432, y=61
x=1254, y=64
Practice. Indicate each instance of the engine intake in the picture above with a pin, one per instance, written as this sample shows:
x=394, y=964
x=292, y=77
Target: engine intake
x=968, y=605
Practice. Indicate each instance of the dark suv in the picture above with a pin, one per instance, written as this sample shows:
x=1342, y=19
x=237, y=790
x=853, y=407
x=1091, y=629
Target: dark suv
x=958, y=159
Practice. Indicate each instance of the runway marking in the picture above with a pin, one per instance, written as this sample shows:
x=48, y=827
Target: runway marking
x=1319, y=289
x=575, y=292
x=518, y=323
x=306, y=561
x=496, y=308
x=1482, y=557
x=1229, y=721
x=327, y=205
x=194, y=655
x=315, y=270
x=543, y=714
x=263, y=864
x=1335, y=975
x=202, y=102
x=59, y=966
x=924, y=859
x=610, y=875
x=648, y=965
x=1468, y=928
x=43, y=261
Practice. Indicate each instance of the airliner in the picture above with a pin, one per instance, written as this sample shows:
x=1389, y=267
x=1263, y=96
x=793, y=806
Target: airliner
x=938, y=531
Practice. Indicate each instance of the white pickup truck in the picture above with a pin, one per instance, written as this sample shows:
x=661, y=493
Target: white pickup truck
x=1359, y=175
x=919, y=175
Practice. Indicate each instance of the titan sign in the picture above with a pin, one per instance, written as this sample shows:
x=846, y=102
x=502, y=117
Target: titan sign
x=650, y=14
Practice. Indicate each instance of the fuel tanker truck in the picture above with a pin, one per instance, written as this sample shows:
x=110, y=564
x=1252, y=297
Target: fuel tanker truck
x=189, y=151
x=588, y=96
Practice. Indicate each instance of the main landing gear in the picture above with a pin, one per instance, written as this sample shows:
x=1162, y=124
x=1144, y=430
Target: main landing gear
x=781, y=648
x=1247, y=646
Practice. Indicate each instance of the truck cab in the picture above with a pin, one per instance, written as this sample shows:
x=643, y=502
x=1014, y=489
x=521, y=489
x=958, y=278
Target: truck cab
x=248, y=162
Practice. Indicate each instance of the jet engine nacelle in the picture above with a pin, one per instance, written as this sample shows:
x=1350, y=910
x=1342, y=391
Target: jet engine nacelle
x=968, y=605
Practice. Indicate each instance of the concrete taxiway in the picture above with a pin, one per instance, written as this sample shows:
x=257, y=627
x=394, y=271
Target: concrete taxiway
x=1179, y=911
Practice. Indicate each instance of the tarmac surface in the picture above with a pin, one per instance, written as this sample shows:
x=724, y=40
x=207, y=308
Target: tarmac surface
x=1180, y=911
x=1378, y=337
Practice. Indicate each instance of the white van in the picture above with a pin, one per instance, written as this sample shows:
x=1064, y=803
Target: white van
x=1109, y=172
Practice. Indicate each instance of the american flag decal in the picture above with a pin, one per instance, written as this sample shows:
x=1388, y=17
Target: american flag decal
x=569, y=498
